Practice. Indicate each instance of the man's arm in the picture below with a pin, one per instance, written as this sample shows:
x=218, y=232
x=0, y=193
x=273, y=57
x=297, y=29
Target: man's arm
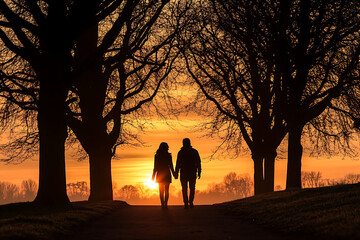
x=198, y=164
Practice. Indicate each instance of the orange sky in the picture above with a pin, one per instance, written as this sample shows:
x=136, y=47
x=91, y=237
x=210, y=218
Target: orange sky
x=135, y=164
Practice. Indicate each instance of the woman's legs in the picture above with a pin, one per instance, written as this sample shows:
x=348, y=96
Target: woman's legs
x=161, y=191
x=166, y=186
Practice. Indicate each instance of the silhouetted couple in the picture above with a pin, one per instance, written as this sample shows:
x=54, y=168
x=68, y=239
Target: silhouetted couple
x=188, y=163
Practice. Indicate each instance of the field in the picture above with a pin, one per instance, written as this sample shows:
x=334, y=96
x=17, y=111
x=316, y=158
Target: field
x=26, y=221
x=318, y=213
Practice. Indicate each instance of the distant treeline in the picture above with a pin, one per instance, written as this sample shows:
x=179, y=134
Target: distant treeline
x=315, y=179
x=234, y=186
x=13, y=193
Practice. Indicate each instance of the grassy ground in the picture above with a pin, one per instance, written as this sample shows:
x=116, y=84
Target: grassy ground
x=322, y=213
x=26, y=221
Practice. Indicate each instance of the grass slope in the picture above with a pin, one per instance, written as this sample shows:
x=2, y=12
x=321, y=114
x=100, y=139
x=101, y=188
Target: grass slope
x=318, y=213
x=27, y=221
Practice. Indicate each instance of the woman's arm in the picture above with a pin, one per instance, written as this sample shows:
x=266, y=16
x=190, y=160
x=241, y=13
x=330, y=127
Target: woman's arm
x=171, y=165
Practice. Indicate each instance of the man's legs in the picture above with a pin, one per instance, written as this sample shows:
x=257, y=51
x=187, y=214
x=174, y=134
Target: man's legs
x=184, y=191
x=192, y=183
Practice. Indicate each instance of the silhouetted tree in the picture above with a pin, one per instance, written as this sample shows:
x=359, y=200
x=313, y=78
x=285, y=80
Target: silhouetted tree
x=230, y=55
x=290, y=61
x=311, y=179
x=29, y=189
x=128, y=192
x=18, y=107
x=77, y=191
x=123, y=62
x=314, y=179
x=317, y=50
x=41, y=35
x=144, y=191
x=351, y=105
x=9, y=192
x=352, y=178
x=338, y=124
x=38, y=34
x=237, y=185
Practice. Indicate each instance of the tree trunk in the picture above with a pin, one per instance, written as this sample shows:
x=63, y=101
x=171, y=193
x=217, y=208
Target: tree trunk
x=258, y=174
x=52, y=132
x=100, y=174
x=92, y=134
x=293, y=180
x=269, y=171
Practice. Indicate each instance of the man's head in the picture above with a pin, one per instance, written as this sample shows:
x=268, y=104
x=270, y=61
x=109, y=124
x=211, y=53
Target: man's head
x=186, y=142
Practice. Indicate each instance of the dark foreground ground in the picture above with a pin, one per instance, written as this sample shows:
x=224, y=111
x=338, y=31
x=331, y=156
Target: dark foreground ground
x=329, y=213
x=20, y=221
x=150, y=222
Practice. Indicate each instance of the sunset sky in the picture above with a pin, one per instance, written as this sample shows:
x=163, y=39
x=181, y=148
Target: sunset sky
x=135, y=164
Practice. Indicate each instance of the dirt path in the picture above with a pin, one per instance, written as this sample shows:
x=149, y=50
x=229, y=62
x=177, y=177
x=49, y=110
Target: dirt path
x=150, y=222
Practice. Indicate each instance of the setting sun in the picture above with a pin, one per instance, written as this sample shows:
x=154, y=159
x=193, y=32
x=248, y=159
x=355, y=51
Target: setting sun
x=150, y=183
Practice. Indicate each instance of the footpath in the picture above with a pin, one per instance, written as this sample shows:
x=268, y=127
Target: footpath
x=150, y=222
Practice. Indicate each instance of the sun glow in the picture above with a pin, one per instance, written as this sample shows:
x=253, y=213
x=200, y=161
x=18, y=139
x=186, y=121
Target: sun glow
x=150, y=183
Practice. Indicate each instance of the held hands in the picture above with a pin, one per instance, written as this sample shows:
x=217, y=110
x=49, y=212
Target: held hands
x=176, y=175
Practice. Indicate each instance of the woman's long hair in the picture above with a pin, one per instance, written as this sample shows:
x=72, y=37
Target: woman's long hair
x=163, y=149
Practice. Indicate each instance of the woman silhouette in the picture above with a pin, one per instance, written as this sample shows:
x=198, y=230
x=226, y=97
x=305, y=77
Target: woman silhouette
x=163, y=168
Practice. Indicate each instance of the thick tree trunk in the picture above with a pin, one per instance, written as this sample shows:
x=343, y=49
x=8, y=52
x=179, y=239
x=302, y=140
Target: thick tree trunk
x=92, y=91
x=52, y=132
x=269, y=171
x=100, y=174
x=258, y=174
x=293, y=180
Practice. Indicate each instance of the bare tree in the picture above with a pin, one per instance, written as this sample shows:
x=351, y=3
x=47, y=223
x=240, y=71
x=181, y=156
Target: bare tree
x=42, y=36
x=317, y=50
x=351, y=105
x=38, y=34
x=29, y=189
x=273, y=65
x=311, y=179
x=144, y=191
x=123, y=62
x=9, y=192
x=128, y=192
x=352, y=178
x=77, y=191
x=237, y=185
x=18, y=109
x=229, y=54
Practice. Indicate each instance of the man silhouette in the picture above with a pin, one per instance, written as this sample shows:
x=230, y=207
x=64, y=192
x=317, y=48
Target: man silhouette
x=189, y=164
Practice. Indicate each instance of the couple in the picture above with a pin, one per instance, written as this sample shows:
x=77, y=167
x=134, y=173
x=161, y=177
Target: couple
x=188, y=163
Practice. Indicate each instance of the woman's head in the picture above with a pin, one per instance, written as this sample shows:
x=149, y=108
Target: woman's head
x=164, y=147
